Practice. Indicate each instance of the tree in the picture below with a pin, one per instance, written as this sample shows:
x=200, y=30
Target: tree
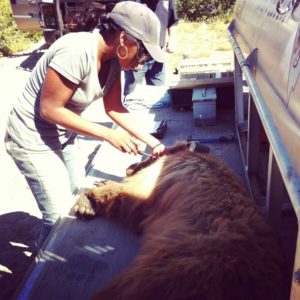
x=202, y=10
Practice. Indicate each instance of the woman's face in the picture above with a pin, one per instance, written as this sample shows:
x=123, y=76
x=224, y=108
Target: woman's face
x=135, y=55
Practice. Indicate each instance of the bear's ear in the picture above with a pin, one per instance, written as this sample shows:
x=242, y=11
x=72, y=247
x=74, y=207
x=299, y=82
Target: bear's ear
x=192, y=146
x=136, y=167
x=197, y=147
x=179, y=146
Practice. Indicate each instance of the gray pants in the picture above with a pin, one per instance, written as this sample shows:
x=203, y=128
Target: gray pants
x=53, y=177
x=152, y=72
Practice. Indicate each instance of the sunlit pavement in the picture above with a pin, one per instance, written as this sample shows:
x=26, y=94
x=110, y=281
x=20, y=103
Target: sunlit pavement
x=20, y=218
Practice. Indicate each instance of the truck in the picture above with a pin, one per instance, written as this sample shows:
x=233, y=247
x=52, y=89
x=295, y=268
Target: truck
x=52, y=17
x=263, y=115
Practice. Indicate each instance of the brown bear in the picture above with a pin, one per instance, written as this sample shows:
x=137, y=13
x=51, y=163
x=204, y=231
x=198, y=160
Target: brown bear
x=202, y=236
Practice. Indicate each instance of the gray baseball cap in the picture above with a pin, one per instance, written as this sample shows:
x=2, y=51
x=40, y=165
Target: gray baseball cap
x=142, y=23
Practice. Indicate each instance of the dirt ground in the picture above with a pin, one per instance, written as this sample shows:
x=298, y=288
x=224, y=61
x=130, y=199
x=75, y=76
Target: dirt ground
x=19, y=218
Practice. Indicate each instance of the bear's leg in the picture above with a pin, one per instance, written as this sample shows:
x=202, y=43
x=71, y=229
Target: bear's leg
x=113, y=200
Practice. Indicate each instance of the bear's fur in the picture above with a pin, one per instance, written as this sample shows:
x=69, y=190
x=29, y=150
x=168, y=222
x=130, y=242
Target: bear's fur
x=202, y=237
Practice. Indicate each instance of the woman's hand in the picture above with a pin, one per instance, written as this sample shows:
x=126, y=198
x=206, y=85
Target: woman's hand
x=123, y=141
x=158, y=150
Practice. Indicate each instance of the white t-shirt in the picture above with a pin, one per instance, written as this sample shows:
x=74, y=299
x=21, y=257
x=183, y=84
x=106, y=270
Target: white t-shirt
x=74, y=56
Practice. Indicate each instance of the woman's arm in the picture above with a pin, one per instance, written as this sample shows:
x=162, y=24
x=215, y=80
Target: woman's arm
x=57, y=91
x=116, y=111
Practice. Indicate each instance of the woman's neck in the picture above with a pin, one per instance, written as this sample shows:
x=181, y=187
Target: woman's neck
x=108, y=43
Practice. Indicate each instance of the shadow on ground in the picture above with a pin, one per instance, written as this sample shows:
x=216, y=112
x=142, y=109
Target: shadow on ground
x=19, y=230
x=31, y=58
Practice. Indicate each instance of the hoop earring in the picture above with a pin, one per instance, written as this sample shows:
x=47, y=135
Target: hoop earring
x=122, y=57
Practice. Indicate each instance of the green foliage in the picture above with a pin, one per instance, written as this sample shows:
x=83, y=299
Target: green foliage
x=204, y=10
x=11, y=39
x=200, y=40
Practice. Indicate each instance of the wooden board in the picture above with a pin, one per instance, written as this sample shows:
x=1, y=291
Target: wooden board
x=175, y=82
x=215, y=71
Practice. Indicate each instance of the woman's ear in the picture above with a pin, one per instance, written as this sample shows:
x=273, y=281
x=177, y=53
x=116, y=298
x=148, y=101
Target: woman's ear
x=123, y=38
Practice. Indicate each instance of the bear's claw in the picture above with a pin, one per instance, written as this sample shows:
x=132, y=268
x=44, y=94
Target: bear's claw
x=83, y=207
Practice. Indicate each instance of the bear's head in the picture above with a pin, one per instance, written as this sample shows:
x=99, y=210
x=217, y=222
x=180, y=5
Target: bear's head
x=179, y=146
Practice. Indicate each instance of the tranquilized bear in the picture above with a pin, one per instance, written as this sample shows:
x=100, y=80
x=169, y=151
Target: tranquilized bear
x=202, y=237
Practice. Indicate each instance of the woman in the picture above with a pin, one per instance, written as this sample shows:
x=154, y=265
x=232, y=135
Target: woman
x=76, y=70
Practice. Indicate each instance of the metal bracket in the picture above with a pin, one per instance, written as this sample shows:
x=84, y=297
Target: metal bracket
x=283, y=6
x=297, y=276
x=231, y=26
x=251, y=60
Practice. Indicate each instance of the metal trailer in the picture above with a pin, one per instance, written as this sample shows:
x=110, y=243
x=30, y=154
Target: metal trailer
x=265, y=37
